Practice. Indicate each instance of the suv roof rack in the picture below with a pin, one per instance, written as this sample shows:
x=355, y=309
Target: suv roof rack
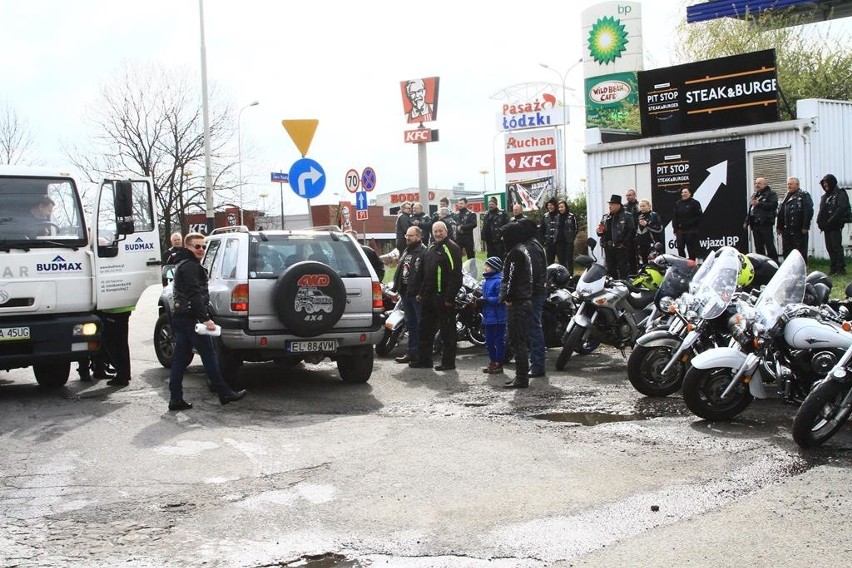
x=333, y=228
x=234, y=229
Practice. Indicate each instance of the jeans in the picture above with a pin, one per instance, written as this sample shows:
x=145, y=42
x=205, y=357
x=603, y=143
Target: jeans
x=495, y=341
x=535, y=334
x=412, y=311
x=183, y=327
x=517, y=316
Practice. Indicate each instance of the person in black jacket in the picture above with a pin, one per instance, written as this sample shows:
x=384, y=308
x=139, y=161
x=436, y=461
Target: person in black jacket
x=548, y=229
x=516, y=293
x=371, y=255
x=685, y=222
x=616, y=229
x=464, y=231
x=420, y=219
x=631, y=206
x=794, y=219
x=403, y=283
x=566, y=234
x=436, y=284
x=538, y=263
x=761, y=218
x=168, y=257
x=649, y=229
x=833, y=214
x=191, y=299
x=403, y=222
x=492, y=227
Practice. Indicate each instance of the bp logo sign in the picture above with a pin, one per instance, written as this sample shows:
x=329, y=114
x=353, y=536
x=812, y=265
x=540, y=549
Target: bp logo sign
x=607, y=40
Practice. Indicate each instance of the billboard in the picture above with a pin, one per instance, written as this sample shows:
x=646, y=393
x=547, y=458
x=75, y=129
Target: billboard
x=420, y=99
x=717, y=93
x=531, y=193
x=716, y=174
x=541, y=112
x=530, y=154
x=612, y=54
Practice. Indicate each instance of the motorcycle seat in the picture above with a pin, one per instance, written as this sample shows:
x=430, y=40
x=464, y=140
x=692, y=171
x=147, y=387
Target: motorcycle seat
x=641, y=298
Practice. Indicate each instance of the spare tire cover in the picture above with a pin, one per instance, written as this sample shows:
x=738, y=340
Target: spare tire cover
x=309, y=298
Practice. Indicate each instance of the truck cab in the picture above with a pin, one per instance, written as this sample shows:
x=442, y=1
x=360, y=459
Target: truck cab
x=60, y=265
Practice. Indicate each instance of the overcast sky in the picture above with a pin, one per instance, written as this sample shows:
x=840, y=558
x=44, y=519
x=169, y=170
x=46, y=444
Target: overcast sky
x=338, y=62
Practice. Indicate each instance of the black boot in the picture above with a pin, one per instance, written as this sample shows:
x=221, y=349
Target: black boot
x=518, y=383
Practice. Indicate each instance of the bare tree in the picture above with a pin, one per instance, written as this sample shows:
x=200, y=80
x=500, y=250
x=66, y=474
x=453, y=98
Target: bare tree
x=148, y=122
x=810, y=65
x=15, y=137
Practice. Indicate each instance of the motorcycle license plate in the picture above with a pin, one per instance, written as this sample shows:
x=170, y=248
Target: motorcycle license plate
x=14, y=333
x=312, y=346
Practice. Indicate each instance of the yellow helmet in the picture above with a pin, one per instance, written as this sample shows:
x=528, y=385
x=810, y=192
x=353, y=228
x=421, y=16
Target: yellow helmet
x=746, y=275
x=650, y=276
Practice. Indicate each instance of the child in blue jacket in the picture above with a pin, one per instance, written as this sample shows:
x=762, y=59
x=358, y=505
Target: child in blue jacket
x=493, y=314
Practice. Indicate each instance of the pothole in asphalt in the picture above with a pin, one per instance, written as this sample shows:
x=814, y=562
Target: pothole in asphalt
x=327, y=560
x=588, y=418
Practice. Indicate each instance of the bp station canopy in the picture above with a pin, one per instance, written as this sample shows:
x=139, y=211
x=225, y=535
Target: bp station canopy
x=807, y=10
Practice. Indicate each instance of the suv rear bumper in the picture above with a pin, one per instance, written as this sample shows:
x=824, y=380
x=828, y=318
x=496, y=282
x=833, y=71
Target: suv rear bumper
x=235, y=337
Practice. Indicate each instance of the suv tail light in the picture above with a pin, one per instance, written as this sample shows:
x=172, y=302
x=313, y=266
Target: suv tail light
x=378, y=302
x=240, y=298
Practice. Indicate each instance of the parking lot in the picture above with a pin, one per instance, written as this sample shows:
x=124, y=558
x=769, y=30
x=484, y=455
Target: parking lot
x=414, y=468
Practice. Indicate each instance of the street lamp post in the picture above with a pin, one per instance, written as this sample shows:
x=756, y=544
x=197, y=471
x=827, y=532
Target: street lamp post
x=240, y=156
x=484, y=174
x=564, y=77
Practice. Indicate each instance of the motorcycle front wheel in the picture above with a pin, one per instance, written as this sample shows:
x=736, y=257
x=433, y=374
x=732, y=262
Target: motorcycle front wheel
x=645, y=370
x=702, y=393
x=573, y=342
x=821, y=415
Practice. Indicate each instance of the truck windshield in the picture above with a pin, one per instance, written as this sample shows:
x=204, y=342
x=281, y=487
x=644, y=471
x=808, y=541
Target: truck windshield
x=40, y=212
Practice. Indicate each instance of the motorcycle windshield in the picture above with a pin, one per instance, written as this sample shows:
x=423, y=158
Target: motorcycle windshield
x=469, y=275
x=595, y=273
x=786, y=287
x=677, y=279
x=717, y=285
x=702, y=271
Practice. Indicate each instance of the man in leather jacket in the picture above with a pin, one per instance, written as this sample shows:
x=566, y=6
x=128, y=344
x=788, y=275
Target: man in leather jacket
x=516, y=292
x=616, y=229
x=761, y=218
x=464, y=231
x=833, y=215
x=794, y=219
x=191, y=301
x=436, y=284
x=403, y=283
x=685, y=222
x=548, y=230
x=492, y=227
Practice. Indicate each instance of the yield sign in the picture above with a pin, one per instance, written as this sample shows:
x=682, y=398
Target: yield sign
x=301, y=132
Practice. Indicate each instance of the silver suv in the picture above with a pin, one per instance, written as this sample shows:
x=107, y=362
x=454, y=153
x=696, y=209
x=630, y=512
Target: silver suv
x=287, y=296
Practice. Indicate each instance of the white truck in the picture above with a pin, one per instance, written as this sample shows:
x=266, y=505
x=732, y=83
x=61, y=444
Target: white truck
x=59, y=267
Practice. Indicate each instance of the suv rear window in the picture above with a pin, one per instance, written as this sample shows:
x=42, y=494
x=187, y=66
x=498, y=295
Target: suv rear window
x=268, y=259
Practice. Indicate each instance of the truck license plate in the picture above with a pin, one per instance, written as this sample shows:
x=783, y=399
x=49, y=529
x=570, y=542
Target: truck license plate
x=313, y=346
x=14, y=333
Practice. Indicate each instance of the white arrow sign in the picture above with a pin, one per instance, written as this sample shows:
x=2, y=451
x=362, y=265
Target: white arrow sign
x=704, y=194
x=313, y=175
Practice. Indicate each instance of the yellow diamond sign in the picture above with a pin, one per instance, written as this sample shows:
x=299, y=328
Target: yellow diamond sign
x=302, y=132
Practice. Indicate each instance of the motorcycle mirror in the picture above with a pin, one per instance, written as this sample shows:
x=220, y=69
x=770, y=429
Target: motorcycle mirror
x=849, y=290
x=584, y=261
x=591, y=243
x=659, y=247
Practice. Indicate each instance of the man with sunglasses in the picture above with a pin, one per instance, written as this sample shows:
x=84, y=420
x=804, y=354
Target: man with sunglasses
x=191, y=299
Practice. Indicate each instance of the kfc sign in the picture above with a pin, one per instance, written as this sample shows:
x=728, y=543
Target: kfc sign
x=407, y=197
x=420, y=135
x=420, y=99
x=531, y=161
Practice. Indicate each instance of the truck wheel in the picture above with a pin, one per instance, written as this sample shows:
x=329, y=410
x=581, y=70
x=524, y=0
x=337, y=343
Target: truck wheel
x=357, y=366
x=52, y=375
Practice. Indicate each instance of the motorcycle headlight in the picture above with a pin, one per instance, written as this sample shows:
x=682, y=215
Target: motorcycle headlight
x=666, y=302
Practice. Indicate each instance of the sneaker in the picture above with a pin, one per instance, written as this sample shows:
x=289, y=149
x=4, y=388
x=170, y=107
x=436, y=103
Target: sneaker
x=179, y=405
x=497, y=370
x=404, y=359
x=489, y=368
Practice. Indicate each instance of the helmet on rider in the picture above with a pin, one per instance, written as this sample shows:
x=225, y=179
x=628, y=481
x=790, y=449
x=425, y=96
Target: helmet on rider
x=764, y=269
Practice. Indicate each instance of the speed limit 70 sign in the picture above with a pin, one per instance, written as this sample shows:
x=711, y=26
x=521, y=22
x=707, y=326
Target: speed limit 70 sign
x=353, y=181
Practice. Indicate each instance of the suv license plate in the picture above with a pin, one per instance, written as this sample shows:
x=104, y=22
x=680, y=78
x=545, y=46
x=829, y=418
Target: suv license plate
x=313, y=346
x=14, y=333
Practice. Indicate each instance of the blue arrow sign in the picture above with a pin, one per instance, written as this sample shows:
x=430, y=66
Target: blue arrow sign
x=307, y=178
x=361, y=201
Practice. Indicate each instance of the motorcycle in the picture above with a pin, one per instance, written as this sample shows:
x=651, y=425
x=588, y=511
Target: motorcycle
x=779, y=340
x=559, y=305
x=828, y=406
x=659, y=359
x=395, y=329
x=609, y=311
